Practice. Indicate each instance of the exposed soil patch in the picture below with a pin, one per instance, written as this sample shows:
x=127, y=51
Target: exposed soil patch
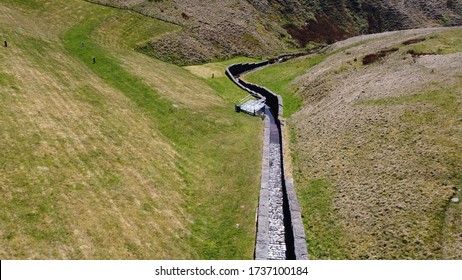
x=417, y=53
x=371, y=58
x=413, y=41
x=216, y=30
x=322, y=30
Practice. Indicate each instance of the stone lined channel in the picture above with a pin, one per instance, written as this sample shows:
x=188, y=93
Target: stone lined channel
x=280, y=233
x=277, y=248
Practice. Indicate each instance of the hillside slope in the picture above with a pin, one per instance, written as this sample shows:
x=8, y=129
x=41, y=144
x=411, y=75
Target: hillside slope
x=125, y=158
x=376, y=144
x=221, y=29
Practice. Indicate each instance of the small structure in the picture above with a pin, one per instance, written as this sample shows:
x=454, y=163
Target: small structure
x=251, y=106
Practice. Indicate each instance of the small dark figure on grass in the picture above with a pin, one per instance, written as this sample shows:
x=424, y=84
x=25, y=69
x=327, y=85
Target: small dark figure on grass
x=94, y=60
x=6, y=44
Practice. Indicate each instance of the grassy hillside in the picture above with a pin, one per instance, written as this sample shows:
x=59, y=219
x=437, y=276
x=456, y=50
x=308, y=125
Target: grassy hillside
x=376, y=146
x=218, y=30
x=279, y=76
x=127, y=158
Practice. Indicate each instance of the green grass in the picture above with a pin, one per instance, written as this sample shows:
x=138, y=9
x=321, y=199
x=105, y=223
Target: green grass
x=29, y=4
x=429, y=125
x=133, y=29
x=228, y=91
x=444, y=100
x=174, y=174
x=109, y=69
x=316, y=198
x=433, y=117
x=200, y=137
x=322, y=231
x=278, y=77
x=447, y=42
x=444, y=97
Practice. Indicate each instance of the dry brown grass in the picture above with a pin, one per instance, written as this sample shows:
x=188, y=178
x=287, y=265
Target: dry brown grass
x=181, y=88
x=288, y=164
x=206, y=71
x=222, y=29
x=86, y=160
x=385, y=137
x=178, y=87
x=85, y=172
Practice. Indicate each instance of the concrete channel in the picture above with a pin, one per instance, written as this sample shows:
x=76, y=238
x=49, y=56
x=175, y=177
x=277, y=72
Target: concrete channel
x=280, y=234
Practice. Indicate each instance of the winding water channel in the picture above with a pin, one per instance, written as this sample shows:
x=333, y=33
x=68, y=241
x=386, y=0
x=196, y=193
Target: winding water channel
x=280, y=234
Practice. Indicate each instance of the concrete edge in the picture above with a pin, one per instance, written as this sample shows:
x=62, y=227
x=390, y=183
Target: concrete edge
x=299, y=235
x=238, y=83
x=300, y=248
x=262, y=238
